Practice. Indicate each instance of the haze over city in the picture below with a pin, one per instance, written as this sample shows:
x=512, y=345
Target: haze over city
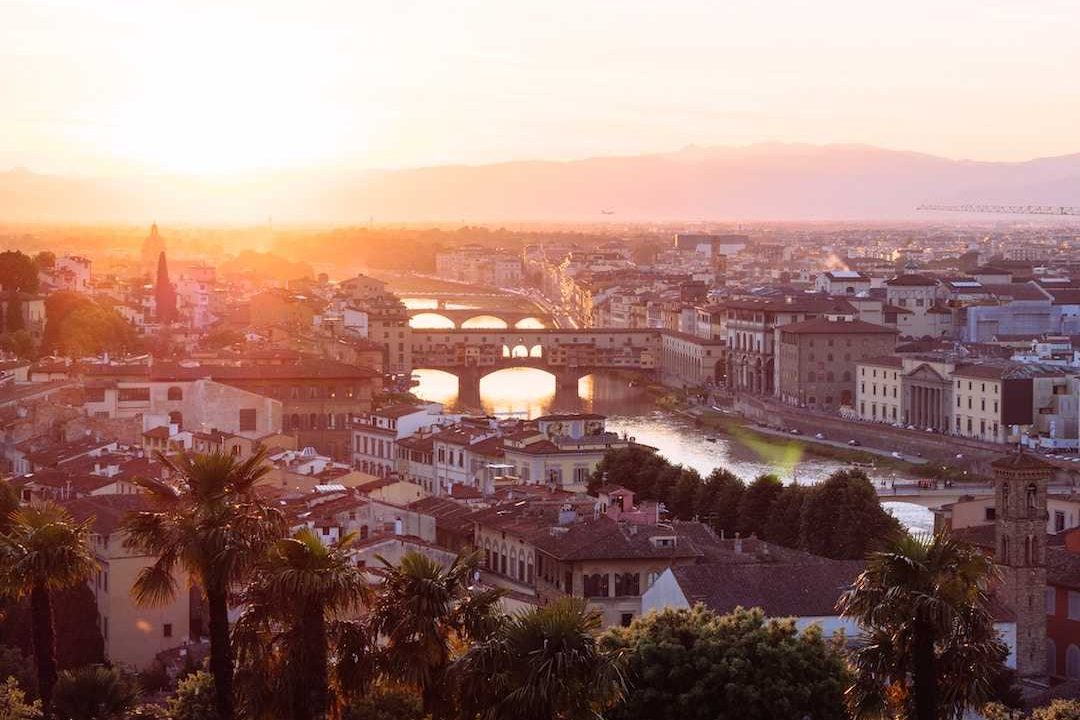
x=576, y=360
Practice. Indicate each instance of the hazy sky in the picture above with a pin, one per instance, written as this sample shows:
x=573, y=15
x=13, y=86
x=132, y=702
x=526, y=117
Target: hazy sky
x=108, y=86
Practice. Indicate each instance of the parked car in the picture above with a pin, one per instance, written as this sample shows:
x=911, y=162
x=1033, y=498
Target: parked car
x=854, y=443
x=820, y=436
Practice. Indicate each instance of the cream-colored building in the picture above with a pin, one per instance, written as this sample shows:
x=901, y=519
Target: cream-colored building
x=133, y=634
x=879, y=389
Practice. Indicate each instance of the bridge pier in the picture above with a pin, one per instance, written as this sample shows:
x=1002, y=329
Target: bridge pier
x=468, y=387
x=566, y=389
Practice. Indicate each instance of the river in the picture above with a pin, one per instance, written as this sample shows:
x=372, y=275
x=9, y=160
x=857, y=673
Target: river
x=526, y=392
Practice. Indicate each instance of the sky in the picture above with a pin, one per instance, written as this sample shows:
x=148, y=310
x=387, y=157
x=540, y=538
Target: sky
x=213, y=87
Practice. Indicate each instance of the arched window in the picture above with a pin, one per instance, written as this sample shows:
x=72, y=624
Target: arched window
x=1004, y=496
x=1032, y=496
x=1005, y=550
x=1072, y=662
x=513, y=562
x=175, y=393
x=1029, y=556
x=176, y=418
x=487, y=554
x=502, y=560
x=313, y=421
x=294, y=421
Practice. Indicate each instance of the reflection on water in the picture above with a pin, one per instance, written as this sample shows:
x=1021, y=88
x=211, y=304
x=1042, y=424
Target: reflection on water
x=431, y=320
x=529, y=392
x=483, y=322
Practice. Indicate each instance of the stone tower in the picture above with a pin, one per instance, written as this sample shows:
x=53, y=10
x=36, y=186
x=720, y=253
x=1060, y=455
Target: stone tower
x=1020, y=486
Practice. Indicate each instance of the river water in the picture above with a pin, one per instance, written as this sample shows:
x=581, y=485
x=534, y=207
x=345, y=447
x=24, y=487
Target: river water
x=528, y=393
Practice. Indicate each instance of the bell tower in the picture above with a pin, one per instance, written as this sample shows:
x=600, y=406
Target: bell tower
x=1020, y=487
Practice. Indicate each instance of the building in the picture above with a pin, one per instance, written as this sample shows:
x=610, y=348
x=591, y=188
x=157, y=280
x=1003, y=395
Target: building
x=843, y=282
x=750, y=355
x=134, y=634
x=759, y=575
x=816, y=360
x=375, y=435
x=560, y=547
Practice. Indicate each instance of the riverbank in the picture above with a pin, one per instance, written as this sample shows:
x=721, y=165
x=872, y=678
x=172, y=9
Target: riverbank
x=737, y=427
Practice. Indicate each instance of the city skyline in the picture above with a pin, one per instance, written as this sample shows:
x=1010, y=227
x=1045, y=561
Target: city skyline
x=114, y=88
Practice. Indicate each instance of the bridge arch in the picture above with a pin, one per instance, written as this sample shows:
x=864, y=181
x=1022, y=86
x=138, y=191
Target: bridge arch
x=484, y=321
x=529, y=323
x=431, y=320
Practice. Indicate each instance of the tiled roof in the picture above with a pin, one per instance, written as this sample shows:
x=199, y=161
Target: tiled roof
x=396, y=411
x=1021, y=461
x=892, y=361
x=821, y=326
x=108, y=511
x=780, y=590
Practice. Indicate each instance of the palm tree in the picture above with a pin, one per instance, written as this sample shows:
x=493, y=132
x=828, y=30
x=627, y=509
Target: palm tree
x=44, y=550
x=424, y=613
x=541, y=664
x=930, y=648
x=291, y=607
x=212, y=524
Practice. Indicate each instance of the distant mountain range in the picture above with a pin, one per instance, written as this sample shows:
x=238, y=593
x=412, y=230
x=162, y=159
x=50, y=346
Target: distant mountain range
x=768, y=181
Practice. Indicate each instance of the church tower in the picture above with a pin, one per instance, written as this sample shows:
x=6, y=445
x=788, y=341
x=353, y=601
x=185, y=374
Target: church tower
x=1020, y=487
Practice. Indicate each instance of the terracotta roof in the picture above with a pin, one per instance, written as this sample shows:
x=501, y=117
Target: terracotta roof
x=996, y=370
x=821, y=326
x=780, y=590
x=1021, y=461
x=892, y=361
x=108, y=511
x=396, y=411
x=1063, y=567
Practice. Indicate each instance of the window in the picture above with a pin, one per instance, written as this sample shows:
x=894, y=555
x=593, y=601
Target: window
x=175, y=393
x=1074, y=605
x=625, y=619
x=166, y=630
x=247, y=419
x=1032, y=496
x=1059, y=521
x=135, y=394
x=1051, y=601
x=1072, y=662
x=595, y=585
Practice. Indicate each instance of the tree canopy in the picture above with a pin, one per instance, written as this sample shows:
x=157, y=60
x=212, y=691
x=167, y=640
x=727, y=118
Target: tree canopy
x=76, y=325
x=841, y=517
x=18, y=273
x=697, y=665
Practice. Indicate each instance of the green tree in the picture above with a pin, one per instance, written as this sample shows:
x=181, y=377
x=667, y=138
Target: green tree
x=14, y=664
x=195, y=698
x=214, y=525
x=283, y=636
x=13, y=319
x=930, y=649
x=718, y=501
x=18, y=273
x=683, y=502
x=757, y=504
x=1058, y=710
x=14, y=704
x=95, y=692
x=9, y=505
x=44, y=551
x=383, y=702
x=540, y=664
x=697, y=665
x=842, y=517
x=783, y=524
x=75, y=621
x=21, y=342
x=44, y=260
x=422, y=613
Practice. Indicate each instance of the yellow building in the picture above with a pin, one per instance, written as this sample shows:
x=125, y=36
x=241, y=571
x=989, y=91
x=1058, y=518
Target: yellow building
x=133, y=634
